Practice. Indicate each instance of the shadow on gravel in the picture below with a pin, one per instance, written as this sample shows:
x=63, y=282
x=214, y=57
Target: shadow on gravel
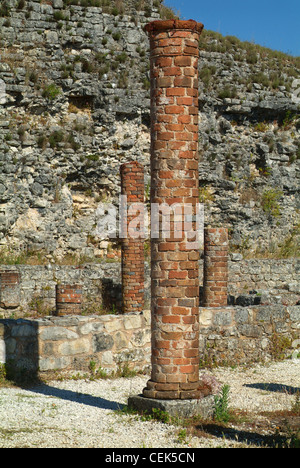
x=273, y=387
x=77, y=397
x=245, y=437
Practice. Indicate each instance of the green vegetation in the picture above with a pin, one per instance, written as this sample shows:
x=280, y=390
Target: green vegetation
x=221, y=405
x=98, y=373
x=51, y=92
x=10, y=257
x=215, y=42
x=227, y=92
x=290, y=247
x=2, y=374
x=276, y=68
x=279, y=344
x=118, y=7
x=4, y=9
x=206, y=74
x=269, y=202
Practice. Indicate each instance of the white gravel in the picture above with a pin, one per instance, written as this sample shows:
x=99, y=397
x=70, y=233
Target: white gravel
x=82, y=414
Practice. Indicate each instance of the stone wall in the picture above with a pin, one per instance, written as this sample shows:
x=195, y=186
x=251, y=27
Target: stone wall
x=75, y=105
x=36, y=294
x=240, y=335
x=70, y=345
x=272, y=281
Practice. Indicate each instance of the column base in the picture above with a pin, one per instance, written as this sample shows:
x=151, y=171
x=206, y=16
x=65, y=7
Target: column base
x=175, y=391
x=203, y=407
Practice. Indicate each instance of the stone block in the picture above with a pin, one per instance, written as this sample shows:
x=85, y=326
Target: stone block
x=132, y=321
x=53, y=363
x=102, y=342
x=57, y=333
x=78, y=346
x=203, y=407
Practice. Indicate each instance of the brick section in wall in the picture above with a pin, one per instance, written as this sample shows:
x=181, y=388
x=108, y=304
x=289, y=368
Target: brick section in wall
x=9, y=289
x=133, y=259
x=174, y=179
x=68, y=299
x=215, y=275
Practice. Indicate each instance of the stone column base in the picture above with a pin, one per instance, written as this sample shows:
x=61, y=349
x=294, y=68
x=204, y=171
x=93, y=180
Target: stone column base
x=203, y=407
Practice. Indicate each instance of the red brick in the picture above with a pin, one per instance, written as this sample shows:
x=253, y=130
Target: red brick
x=172, y=71
x=178, y=274
x=174, y=109
x=163, y=62
x=175, y=92
x=165, y=135
x=185, y=101
x=171, y=319
x=166, y=174
x=187, y=369
x=132, y=185
x=183, y=136
x=183, y=61
x=185, y=119
x=166, y=42
x=164, y=82
x=184, y=81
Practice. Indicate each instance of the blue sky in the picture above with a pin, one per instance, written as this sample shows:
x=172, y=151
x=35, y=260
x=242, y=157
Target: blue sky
x=270, y=23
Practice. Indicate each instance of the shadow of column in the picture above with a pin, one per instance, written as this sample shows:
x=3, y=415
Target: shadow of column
x=77, y=397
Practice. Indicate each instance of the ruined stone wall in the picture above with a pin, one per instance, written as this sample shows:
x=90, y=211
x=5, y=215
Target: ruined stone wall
x=35, y=294
x=241, y=335
x=75, y=105
x=71, y=345
x=273, y=281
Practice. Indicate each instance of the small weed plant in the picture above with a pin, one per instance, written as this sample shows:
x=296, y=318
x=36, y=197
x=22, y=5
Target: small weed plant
x=270, y=203
x=221, y=405
x=2, y=374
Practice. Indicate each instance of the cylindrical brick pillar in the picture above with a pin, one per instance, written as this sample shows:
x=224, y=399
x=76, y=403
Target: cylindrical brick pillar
x=215, y=275
x=68, y=299
x=9, y=289
x=133, y=259
x=174, y=180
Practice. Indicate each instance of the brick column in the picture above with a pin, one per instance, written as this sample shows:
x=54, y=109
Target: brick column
x=133, y=260
x=215, y=275
x=68, y=299
x=174, y=179
x=9, y=289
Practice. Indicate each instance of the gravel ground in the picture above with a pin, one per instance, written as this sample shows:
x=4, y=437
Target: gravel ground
x=83, y=414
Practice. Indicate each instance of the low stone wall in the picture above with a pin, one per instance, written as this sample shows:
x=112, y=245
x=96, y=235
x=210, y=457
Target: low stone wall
x=240, y=335
x=67, y=345
x=70, y=344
